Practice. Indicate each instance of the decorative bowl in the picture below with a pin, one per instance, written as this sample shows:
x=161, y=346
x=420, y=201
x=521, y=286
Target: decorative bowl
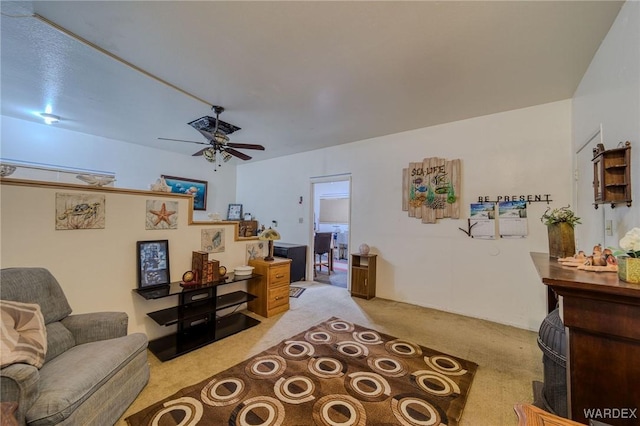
x=6, y=169
x=243, y=270
x=96, y=180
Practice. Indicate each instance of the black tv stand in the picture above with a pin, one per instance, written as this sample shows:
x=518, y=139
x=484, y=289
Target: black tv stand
x=196, y=315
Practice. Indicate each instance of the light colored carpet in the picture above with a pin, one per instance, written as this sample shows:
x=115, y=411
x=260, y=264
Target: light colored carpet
x=337, y=278
x=509, y=358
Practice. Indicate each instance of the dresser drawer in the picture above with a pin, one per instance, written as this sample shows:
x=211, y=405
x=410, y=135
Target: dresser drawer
x=278, y=296
x=279, y=275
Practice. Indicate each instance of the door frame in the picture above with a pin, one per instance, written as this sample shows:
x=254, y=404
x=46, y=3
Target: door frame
x=311, y=220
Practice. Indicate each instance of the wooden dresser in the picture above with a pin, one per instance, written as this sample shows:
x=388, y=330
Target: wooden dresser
x=602, y=317
x=272, y=289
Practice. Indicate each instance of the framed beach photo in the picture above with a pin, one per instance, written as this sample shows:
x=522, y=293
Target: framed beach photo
x=197, y=188
x=153, y=263
x=234, y=212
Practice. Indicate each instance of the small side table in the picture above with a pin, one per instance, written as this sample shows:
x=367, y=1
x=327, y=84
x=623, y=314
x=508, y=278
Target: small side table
x=363, y=275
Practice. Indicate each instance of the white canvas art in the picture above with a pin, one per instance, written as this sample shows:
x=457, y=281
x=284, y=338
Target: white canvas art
x=212, y=240
x=161, y=215
x=256, y=250
x=80, y=211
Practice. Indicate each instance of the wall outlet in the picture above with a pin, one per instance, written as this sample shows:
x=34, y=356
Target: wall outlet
x=608, y=227
x=300, y=220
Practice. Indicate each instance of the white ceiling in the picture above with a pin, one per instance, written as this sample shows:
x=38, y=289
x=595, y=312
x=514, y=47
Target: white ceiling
x=295, y=76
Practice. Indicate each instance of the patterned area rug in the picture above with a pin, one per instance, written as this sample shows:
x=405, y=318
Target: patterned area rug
x=336, y=373
x=296, y=291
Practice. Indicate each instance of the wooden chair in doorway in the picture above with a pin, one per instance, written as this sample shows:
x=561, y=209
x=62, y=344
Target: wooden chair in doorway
x=322, y=246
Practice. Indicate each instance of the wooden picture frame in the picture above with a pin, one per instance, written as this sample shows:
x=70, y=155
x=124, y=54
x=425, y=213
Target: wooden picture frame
x=197, y=188
x=234, y=212
x=153, y=263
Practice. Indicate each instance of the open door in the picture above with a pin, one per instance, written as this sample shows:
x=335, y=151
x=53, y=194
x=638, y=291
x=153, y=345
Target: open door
x=331, y=214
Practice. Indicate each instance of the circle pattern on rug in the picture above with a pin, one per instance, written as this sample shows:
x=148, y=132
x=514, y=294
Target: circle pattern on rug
x=434, y=383
x=295, y=389
x=258, y=411
x=367, y=337
x=221, y=392
x=297, y=349
x=414, y=411
x=387, y=366
x=403, y=348
x=341, y=326
x=339, y=410
x=319, y=337
x=445, y=365
x=266, y=367
x=366, y=386
x=326, y=368
x=190, y=407
x=352, y=349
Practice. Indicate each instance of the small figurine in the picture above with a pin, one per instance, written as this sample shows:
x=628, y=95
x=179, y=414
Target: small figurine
x=161, y=186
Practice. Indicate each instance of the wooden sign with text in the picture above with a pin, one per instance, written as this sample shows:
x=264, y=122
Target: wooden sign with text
x=431, y=189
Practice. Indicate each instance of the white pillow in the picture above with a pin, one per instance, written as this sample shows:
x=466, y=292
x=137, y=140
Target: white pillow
x=23, y=335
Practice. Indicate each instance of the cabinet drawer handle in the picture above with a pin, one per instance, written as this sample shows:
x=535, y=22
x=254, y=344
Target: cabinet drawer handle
x=279, y=276
x=277, y=297
x=365, y=282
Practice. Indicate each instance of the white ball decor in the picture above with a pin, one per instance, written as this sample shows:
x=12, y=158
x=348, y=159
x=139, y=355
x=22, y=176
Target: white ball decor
x=364, y=248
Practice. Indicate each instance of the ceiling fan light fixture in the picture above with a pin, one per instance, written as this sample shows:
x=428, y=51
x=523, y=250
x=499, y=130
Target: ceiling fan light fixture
x=226, y=156
x=210, y=155
x=221, y=138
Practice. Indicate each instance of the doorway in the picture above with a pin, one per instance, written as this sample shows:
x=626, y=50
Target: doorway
x=331, y=213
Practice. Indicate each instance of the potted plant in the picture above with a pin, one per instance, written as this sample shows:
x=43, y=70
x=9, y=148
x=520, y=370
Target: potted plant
x=560, y=223
x=629, y=257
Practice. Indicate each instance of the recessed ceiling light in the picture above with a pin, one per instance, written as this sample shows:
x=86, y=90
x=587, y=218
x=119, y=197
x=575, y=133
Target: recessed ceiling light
x=49, y=118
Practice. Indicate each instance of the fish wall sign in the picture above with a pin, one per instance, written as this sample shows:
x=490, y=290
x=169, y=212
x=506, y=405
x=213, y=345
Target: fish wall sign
x=431, y=189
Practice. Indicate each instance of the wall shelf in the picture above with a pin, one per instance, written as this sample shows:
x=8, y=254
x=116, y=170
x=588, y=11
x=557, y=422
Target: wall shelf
x=612, y=175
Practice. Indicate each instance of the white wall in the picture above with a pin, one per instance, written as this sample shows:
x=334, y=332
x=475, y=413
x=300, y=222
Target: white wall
x=526, y=151
x=609, y=94
x=135, y=166
x=97, y=267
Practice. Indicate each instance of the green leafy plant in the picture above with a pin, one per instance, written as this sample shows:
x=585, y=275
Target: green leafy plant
x=560, y=215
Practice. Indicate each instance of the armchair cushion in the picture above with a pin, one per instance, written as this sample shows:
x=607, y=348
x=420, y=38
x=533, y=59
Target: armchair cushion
x=35, y=285
x=107, y=357
x=59, y=339
x=23, y=337
x=96, y=326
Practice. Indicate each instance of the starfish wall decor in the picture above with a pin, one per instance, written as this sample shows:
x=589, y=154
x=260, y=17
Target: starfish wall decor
x=159, y=216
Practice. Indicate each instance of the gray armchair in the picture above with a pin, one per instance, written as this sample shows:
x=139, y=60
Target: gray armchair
x=92, y=369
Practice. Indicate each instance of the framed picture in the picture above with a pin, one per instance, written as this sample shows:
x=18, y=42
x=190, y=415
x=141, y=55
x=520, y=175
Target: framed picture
x=234, y=212
x=197, y=188
x=153, y=263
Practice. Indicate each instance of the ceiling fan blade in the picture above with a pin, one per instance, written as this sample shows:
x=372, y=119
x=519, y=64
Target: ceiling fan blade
x=245, y=146
x=199, y=152
x=207, y=135
x=182, y=140
x=238, y=154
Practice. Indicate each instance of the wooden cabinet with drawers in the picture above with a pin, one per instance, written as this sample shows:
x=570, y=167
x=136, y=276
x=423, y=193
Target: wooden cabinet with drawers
x=272, y=289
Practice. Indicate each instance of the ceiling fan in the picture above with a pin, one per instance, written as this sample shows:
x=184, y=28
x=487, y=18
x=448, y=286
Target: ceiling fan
x=216, y=131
